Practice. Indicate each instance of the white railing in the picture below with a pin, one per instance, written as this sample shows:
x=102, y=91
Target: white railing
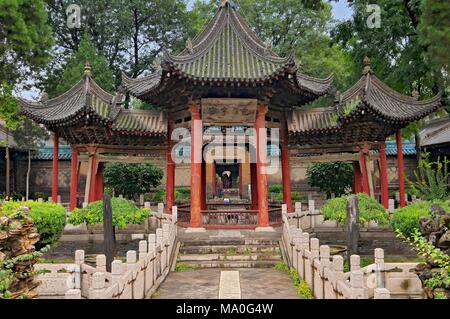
x=138, y=278
x=325, y=274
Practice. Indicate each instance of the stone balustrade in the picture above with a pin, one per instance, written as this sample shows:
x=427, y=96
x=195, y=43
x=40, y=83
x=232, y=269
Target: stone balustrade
x=325, y=274
x=137, y=278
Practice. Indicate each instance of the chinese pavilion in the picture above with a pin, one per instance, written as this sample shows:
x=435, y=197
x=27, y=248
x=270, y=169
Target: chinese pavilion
x=227, y=77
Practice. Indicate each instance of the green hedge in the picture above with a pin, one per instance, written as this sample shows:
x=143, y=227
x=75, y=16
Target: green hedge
x=406, y=219
x=369, y=210
x=49, y=219
x=125, y=212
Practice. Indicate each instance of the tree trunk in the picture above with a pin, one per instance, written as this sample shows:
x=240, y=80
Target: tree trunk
x=8, y=164
x=28, y=176
x=418, y=150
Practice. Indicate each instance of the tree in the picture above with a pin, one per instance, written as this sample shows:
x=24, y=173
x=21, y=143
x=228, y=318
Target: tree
x=8, y=113
x=25, y=39
x=130, y=34
x=331, y=178
x=30, y=137
x=58, y=83
x=131, y=180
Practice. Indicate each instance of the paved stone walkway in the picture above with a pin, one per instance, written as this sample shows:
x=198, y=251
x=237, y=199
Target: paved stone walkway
x=204, y=284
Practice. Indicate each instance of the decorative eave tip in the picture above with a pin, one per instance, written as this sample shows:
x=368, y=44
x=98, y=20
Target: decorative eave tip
x=87, y=69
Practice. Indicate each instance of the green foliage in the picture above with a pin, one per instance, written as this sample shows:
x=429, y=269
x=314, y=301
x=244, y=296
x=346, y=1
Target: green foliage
x=25, y=39
x=369, y=210
x=185, y=193
x=125, y=213
x=8, y=107
x=7, y=271
x=74, y=69
x=276, y=188
x=131, y=180
x=331, y=178
x=281, y=266
x=424, y=248
x=303, y=289
x=183, y=267
x=434, y=31
x=30, y=136
x=49, y=219
x=431, y=179
x=406, y=219
x=159, y=196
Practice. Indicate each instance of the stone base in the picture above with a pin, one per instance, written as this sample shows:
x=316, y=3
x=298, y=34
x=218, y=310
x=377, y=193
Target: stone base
x=264, y=229
x=195, y=230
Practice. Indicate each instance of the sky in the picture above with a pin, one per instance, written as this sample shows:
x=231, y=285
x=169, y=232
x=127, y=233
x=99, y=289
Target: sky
x=341, y=11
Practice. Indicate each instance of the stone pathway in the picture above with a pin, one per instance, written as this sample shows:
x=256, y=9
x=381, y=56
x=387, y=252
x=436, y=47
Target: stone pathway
x=206, y=284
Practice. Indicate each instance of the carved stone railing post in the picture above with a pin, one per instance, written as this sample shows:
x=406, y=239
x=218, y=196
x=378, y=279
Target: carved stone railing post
x=298, y=213
x=355, y=262
x=100, y=263
x=357, y=284
x=304, y=246
x=381, y=293
x=98, y=286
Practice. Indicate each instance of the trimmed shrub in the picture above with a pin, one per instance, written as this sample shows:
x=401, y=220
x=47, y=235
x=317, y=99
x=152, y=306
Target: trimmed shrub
x=369, y=210
x=49, y=219
x=125, y=212
x=406, y=219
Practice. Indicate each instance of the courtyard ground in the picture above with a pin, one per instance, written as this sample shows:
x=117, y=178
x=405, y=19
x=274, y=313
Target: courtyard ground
x=206, y=284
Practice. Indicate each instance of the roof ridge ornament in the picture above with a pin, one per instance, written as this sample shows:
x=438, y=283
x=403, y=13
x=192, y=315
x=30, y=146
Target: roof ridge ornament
x=367, y=66
x=87, y=68
x=44, y=97
x=223, y=3
x=415, y=94
x=267, y=48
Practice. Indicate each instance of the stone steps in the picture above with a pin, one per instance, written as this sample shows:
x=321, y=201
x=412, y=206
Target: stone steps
x=230, y=253
x=222, y=257
x=224, y=249
x=232, y=264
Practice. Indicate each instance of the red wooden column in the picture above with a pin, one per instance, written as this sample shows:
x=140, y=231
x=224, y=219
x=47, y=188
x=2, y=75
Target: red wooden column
x=253, y=187
x=357, y=178
x=401, y=168
x=214, y=182
x=93, y=187
x=99, y=187
x=196, y=166
x=170, y=172
x=203, y=194
x=364, y=172
x=240, y=180
x=74, y=179
x=285, y=167
x=261, y=166
x=55, y=168
x=384, y=177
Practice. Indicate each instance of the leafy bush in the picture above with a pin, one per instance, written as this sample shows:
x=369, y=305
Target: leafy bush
x=49, y=219
x=276, y=188
x=295, y=196
x=406, y=219
x=131, y=180
x=369, y=210
x=184, y=191
x=159, y=196
x=424, y=248
x=125, y=213
x=431, y=179
x=331, y=178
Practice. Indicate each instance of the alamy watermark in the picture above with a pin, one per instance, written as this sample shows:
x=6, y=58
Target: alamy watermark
x=374, y=19
x=73, y=13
